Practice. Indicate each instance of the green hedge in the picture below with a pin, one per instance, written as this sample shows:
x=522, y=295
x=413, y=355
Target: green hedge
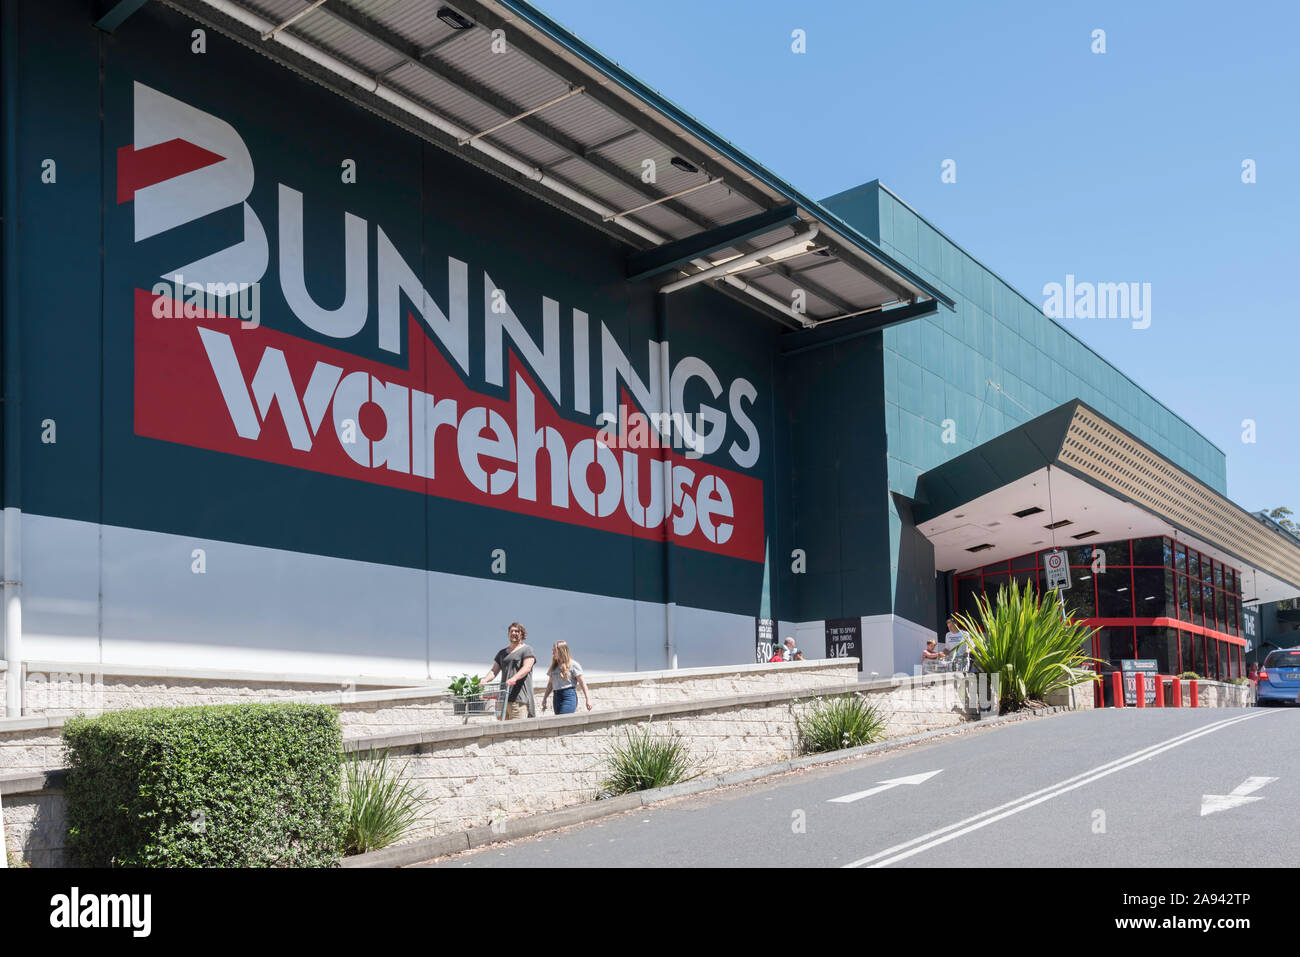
x=253, y=785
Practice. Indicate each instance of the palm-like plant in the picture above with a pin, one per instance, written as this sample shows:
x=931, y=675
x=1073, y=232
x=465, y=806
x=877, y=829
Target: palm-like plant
x=1027, y=641
x=381, y=804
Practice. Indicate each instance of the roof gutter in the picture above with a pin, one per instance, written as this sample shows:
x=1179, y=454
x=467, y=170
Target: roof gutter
x=833, y=224
x=371, y=85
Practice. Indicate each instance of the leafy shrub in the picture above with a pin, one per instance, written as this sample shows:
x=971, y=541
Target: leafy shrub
x=466, y=686
x=844, y=721
x=1192, y=675
x=1024, y=639
x=641, y=760
x=381, y=805
x=250, y=785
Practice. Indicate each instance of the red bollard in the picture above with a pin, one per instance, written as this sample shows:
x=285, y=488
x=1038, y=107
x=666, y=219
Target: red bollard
x=1118, y=680
x=1140, y=687
x=1194, y=699
x=1160, y=691
x=1176, y=691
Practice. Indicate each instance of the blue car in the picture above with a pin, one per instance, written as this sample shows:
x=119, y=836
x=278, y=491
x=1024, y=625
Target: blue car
x=1279, y=678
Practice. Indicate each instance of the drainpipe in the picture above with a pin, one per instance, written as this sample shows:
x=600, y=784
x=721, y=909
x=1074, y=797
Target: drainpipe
x=670, y=605
x=13, y=542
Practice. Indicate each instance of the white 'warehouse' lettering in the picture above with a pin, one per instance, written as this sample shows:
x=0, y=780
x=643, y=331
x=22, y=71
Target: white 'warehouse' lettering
x=494, y=458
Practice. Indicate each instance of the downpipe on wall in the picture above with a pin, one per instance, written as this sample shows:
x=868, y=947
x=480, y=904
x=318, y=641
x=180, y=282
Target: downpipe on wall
x=661, y=334
x=12, y=368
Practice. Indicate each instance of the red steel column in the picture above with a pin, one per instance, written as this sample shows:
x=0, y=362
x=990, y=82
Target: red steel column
x=1176, y=691
x=1140, y=687
x=1160, y=691
x=1118, y=683
x=1194, y=698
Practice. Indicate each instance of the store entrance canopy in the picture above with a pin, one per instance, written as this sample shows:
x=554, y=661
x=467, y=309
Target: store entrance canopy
x=1071, y=477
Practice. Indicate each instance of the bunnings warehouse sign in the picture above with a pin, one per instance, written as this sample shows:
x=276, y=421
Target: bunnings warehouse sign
x=208, y=374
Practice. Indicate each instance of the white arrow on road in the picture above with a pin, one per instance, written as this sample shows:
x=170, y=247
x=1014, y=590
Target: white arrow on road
x=1240, y=795
x=883, y=786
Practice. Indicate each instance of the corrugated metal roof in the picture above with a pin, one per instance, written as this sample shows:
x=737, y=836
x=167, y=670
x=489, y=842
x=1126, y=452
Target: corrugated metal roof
x=594, y=142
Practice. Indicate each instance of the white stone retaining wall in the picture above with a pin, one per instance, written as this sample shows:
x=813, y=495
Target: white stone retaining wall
x=31, y=744
x=477, y=774
x=375, y=713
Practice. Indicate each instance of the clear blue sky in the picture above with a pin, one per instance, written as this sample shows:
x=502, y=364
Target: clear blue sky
x=1119, y=167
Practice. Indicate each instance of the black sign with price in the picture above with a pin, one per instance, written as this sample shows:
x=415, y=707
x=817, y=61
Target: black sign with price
x=844, y=638
x=764, y=639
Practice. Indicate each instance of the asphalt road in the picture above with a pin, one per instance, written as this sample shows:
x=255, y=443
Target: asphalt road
x=1090, y=789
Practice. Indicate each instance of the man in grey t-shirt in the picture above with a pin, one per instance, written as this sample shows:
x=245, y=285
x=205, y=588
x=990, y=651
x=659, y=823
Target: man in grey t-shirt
x=515, y=665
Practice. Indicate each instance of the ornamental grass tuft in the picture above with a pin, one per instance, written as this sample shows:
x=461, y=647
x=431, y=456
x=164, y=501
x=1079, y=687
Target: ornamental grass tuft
x=640, y=760
x=1027, y=640
x=844, y=721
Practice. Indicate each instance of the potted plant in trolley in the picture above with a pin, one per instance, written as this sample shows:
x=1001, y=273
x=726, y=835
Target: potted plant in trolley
x=467, y=695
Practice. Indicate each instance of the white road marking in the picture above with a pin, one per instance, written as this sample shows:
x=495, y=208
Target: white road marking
x=942, y=835
x=1212, y=803
x=883, y=786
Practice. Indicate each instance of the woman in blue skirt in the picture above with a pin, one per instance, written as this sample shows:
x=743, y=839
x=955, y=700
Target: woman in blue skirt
x=564, y=678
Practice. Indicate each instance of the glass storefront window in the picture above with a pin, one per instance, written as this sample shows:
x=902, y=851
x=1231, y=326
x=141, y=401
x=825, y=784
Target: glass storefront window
x=1151, y=590
x=1221, y=610
x=1194, y=565
x=1180, y=557
x=1024, y=562
x=1184, y=599
x=1115, y=594
x=1114, y=644
x=1117, y=554
x=1080, y=598
x=1188, y=657
x=1207, y=606
x=1233, y=610
x=995, y=568
x=1080, y=555
x=1218, y=575
x=1147, y=551
x=1160, y=644
x=1212, y=658
x=992, y=583
x=1026, y=578
x=967, y=589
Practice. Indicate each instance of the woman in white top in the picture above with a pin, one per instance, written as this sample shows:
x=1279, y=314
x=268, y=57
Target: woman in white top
x=564, y=677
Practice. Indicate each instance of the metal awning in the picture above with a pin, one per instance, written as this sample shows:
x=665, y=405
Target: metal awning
x=503, y=86
x=1073, y=477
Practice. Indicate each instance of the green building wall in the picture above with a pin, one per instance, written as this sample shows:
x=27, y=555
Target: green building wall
x=940, y=368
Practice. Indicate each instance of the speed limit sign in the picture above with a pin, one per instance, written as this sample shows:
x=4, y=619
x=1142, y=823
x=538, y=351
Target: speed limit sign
x=1058, y=570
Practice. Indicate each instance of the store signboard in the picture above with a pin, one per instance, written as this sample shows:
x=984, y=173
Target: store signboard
x=1130, y=668
x=764, y=639
x=844, y=639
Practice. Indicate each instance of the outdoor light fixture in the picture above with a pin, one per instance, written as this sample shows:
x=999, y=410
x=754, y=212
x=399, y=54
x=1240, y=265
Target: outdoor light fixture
x=686, y=166
x=457, y=21
x=979, y=548
x=1026, y=512
x=1062, y=522
x=1085, y=535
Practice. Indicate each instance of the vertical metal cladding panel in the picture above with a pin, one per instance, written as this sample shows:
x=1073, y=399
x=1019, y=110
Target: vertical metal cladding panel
x=350, y=477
